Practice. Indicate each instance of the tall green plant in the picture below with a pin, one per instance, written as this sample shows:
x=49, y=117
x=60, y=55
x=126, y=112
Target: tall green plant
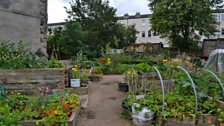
x=15, y=56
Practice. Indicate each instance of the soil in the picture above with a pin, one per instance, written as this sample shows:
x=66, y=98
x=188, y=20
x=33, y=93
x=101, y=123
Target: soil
x=104, y=108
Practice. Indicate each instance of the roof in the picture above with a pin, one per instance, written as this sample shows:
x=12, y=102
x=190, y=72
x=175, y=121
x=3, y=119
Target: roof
x=133, y=16
x=218, y=11
x=56, y=24
x=136, y=16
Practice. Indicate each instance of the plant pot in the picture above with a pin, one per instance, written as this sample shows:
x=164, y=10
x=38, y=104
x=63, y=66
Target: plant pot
x=143, y=117
x=84, y=83
x=123, y=87
x=71, y=121
x=75, y=82
x=81, y=90
x=95, y=78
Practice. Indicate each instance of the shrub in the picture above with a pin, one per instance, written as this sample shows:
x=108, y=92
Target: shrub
x=15, y=56
x=54, y=63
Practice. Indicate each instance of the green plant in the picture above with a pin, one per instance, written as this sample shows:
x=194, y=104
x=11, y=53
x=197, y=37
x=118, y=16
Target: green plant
x=83, y=77
x=79, y=59
x=8, y=117
x=141, y=68
x=15, y=56
x=50, y=109
x=54, y=63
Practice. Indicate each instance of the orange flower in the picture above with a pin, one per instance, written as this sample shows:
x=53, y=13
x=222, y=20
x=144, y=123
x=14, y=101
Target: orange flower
x=209, y=121
x=221, y=124
x=66, y=106
x=25, y=109
x=53, y=111
x=68, y=114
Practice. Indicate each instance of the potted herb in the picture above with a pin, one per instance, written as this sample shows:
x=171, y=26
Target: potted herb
x=84, y=78
x=75, y=80
x=96, y=74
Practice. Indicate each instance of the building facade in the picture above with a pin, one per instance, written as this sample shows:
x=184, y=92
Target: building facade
x=24, y=20
x=146, y=35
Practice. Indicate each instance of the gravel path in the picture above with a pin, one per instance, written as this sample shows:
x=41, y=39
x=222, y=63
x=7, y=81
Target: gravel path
x=104, y=104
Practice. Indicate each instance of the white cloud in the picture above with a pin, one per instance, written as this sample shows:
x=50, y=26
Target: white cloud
x=56, y=11
x=130, y=6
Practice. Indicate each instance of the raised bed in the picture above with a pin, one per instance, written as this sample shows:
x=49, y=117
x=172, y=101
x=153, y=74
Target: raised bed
x=79, y=90
x=29, y=81
x=174, y=122
x=111, y=73
x=206, y=120
x=72, y=121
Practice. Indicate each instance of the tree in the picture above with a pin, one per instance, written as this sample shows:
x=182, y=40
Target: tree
x=97, y=18
x=91, y=26
x=67, y=40
x=125, y=34
x=183, y=21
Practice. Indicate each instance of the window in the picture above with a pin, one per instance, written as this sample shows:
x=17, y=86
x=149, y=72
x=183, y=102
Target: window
x=222, y=32
x=222, y=17
x=149, y=33
x=143, y=34
x=143, y=22
x=155, y=33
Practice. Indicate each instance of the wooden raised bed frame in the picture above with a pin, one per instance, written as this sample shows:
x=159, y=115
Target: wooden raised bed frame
x=72, y=121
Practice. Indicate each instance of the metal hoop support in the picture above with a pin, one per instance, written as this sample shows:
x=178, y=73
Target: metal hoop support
x=216, y=78
x=193, y=86
x=162, y=86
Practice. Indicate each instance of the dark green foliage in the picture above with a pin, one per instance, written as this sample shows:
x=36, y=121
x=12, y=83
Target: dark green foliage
x=15, y=56
x=67, y=41
x=82, y=61
x=98, y=19
x=126, y=35
x=54, y=63
x=179, y=20
x=91, y=26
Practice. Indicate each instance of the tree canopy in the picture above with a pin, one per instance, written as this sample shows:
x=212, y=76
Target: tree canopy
x=91, y=26
x=183, y=22
x=97, y=18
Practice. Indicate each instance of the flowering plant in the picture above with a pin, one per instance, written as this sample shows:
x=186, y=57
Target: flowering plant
x=75, y=71
x=51, y=109
x=131, y=74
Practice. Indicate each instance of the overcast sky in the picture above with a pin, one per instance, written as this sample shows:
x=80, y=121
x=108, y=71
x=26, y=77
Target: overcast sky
x=56, y=11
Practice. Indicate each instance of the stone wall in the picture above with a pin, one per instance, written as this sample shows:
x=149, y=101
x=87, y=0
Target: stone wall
x=24, y=20
x=29, y=81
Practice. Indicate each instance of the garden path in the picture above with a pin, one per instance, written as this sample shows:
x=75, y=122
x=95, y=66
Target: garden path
x=104, y=107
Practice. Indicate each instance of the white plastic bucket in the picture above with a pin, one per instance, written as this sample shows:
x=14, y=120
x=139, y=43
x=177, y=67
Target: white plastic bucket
x=75, y=82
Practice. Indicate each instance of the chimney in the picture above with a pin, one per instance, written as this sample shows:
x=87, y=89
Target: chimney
x=137, y=15
x=126, y=16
